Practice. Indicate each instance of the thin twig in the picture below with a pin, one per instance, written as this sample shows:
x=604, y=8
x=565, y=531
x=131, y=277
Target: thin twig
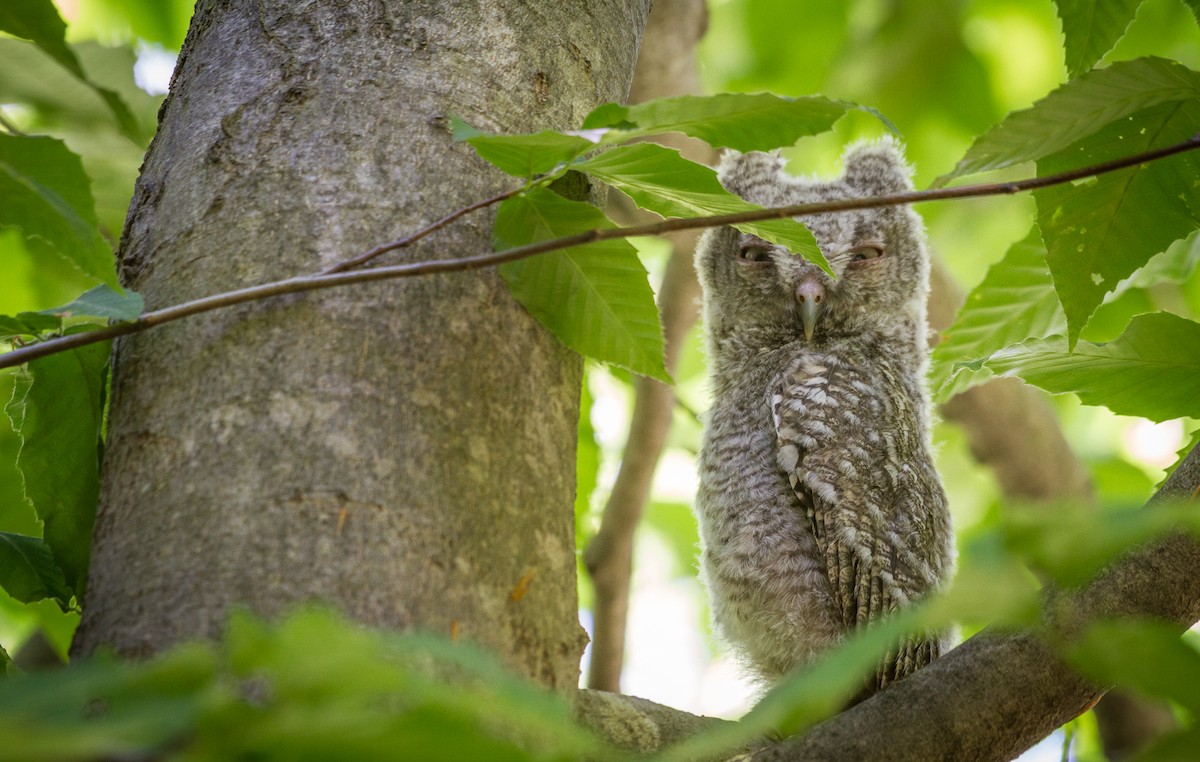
x=487, y=259
x=408, y=240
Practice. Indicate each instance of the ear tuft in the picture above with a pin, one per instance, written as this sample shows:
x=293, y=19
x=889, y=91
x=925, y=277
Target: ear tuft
x=877, y=168
x=742, y=173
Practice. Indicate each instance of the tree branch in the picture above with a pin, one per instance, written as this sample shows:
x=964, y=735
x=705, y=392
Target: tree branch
x=408, y=240
x=487, y=259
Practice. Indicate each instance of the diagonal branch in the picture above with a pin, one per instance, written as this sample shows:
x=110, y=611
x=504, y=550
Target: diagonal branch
x=409, y=240
x=487, y=259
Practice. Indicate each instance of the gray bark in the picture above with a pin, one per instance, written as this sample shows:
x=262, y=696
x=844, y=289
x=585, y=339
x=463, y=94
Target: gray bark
x=401, y=451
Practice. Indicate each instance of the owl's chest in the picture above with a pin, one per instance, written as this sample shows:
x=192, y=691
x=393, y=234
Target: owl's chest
x=743, y=494
x=827, y=401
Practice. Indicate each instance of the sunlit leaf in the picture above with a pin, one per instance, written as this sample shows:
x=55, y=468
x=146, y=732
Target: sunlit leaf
x=1015, y=301
x=659, y=180
x=38, y=21
x=57, y=103
x=28, y=572
x=1077, y=109
x=324, y=688
x=991, y=586
x=1091, y=28
x=595, y=297
x=739, y=121
x=1151, y=370
x=57, y=410
x=1194, y=5
x=1070, y=543
x=1095, y=232
x=744, y=122
x=45, y=192
x=1147, y=656
x=523, y=155
x=102, y=302
x=1175, y=265
x=161, y=21
x=805, y=697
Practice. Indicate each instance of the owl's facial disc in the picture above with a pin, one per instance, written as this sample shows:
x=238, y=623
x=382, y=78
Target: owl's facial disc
x=810, y=294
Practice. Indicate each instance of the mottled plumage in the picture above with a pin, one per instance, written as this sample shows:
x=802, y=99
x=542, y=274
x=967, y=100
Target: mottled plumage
x=820, y=509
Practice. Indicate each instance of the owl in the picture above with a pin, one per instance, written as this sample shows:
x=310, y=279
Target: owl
x=819, y=507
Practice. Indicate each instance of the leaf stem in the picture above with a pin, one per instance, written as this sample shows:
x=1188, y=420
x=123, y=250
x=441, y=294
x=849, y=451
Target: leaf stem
x=336, y=277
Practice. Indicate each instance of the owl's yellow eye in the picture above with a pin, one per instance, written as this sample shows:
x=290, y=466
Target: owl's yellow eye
x=865, y=252
x=754, y=252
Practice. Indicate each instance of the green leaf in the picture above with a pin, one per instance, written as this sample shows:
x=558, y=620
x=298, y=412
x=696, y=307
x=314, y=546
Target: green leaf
x=45, y=192
x=805, y=697
x=38, y=21
x=27, y=324
x=659, y=180
x=595, y=297
x=28, y=572
x=523, y=155
x=102, y=302
x=742, y=122
x=1148, y=656
x=57, y=410
x=1096, y=231
x=6, y=664
x=1175, y=265
x=757, y=122
x=1071, y=543
x=54, y=714
x=1076, y=110
x=161, y=21
x=1194, y=5
x=1152, y=370
x=1015, y=301
x=1092, y=27
x=461, y=130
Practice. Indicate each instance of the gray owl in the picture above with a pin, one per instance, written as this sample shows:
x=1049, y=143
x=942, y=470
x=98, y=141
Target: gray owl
x=820, y=509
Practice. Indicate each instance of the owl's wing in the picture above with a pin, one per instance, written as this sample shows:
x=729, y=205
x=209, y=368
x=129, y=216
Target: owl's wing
x=852, y=446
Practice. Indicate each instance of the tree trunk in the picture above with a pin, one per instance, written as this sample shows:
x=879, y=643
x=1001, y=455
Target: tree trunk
x=402, y=451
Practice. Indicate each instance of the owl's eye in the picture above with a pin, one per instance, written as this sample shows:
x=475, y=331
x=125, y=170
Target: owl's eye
x=865, y=252
x=753, y=252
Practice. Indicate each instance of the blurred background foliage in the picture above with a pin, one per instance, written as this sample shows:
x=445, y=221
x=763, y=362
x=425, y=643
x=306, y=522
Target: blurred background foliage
x=942, y=71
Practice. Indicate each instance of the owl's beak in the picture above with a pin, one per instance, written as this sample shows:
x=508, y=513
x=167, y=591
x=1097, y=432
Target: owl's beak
x=811, y=296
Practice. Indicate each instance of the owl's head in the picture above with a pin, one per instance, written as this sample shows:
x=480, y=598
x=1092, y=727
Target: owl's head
x=757, y=290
